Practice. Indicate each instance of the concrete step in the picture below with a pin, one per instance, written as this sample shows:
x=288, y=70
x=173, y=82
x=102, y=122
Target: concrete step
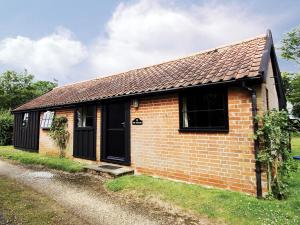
x=109, y=169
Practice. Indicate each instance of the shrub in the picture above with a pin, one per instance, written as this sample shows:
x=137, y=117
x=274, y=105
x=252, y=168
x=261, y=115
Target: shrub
x=59, y=134
x=6, y=127
x=275, y=154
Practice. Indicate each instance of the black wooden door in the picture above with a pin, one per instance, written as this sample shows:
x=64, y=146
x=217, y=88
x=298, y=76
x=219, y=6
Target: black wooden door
x=116, y=133
x=26, y=131
x=85, y=126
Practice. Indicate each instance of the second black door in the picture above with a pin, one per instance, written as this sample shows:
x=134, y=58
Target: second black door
x=85, y=132
x=115, y=133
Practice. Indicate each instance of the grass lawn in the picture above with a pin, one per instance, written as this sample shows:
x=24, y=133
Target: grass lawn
x=225, y=206
x=296, y=145
x=21, y=205
x=64, y=164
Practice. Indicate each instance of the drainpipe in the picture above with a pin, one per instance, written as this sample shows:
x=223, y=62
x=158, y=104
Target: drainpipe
x=256, y=141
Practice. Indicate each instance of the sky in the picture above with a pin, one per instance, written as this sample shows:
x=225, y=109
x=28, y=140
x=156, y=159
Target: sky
x=72, y=40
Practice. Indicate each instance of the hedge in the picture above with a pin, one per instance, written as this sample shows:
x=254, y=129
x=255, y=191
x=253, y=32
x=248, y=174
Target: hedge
x=6, y=127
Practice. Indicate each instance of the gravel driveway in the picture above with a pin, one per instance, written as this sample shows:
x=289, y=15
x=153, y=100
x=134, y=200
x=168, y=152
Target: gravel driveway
x=3, y=221
x=85, y=196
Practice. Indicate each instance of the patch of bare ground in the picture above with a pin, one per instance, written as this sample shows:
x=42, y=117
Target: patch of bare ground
x=4, y=221
x=85, y=196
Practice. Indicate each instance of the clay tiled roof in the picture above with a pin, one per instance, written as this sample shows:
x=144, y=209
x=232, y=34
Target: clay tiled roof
x=232, y=62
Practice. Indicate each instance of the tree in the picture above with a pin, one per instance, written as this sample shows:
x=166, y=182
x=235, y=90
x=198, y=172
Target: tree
x=294, y=97
x=6, y=127
x=290, y=50
x=291, y=85
x=42, y=87
x=287, y=83
x=16, y=89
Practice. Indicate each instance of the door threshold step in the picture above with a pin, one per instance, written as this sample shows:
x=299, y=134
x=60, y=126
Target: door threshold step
x=109, y=169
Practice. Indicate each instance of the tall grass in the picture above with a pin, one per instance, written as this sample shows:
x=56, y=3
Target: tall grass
x=64, y=164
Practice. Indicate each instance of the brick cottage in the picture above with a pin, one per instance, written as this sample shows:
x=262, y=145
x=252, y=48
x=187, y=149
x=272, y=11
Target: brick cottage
x=190, y=119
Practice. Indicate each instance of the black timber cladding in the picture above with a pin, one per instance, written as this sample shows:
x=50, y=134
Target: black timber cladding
x=27, y=137
x=84, y=140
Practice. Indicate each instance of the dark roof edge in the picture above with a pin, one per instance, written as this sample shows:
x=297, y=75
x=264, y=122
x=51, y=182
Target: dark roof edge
x=257, y=78
x=266, y=54
x=269, y=54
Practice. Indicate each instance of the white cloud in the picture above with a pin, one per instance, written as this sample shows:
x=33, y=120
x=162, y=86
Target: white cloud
x=48, y=57
x=139, y=33
x=148, y=32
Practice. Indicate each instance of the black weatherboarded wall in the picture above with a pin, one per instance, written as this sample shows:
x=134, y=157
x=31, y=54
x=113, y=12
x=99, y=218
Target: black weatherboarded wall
x=84, y=145
x=27, y=137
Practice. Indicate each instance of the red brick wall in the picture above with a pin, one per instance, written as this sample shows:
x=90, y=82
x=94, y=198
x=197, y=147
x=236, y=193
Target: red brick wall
x=224, y=160
x=47, y=146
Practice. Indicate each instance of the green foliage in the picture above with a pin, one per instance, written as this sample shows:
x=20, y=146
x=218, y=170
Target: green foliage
x=41, y=87
x=291, y=84
x=59, y=133
x=6, y=127
x=286, y=82
x=294, y=96
x=223, y=206
x=34, y=158
x=16, y=89
x=275, y=155
x=290, y=49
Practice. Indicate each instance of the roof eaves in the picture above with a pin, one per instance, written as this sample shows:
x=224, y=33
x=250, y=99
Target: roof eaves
x=258, y=77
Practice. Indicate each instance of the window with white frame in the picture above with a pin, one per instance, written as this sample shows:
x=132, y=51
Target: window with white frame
x=25, y=119
x=47, y=120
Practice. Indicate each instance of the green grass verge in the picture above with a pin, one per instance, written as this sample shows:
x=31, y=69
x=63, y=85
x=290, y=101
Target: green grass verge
x=296, y=145
x=24, y=157
x=221, y=205
x=21, y=205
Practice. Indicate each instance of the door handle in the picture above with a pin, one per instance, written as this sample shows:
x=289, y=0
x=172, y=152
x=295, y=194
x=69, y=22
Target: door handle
x=123, y=124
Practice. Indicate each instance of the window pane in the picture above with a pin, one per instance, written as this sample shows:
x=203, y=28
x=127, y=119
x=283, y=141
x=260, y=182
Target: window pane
x=85, y=117
x=25, y=119
x=217, y=118
x=197, y=102
x=191, y=102
x=90, y=111
x=215, y=100
x=47, y=119
x=203, y=101
x=198, y=119
x=42, y=123
x=89, y=121
x=204, y=109
x=81, y=117
x=185, y=121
